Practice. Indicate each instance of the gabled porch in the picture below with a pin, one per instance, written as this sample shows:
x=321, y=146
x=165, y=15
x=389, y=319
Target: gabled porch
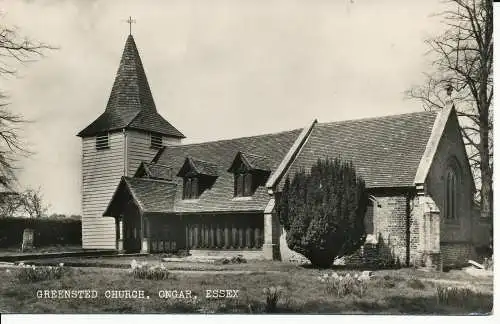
x=145, y=222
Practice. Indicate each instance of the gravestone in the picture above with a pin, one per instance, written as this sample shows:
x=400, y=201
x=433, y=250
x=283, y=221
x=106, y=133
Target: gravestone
x=28, y=238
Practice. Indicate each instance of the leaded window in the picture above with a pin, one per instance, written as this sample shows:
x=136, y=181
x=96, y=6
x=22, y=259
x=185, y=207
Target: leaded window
x=450, y=210
x=242, y=184
x=191, y=188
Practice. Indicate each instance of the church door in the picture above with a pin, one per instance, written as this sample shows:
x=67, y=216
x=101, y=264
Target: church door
x=132, y=229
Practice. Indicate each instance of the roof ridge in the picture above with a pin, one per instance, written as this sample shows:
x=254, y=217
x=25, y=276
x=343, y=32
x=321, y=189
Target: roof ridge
x=380, y=117
x=291, y=155
x=154, y=163
x=298, y=129
x=233, y=138
x=134, y=118
x=257, y=155
x=196, y=159
x=148, y=179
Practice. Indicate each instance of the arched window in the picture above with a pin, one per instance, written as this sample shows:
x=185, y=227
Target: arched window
x=451, y=201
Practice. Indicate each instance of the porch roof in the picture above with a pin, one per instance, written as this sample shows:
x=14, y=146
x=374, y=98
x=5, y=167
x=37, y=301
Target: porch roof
x=145, y=193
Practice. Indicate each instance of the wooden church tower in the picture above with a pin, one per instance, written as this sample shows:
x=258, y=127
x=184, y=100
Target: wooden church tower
x=128, y=132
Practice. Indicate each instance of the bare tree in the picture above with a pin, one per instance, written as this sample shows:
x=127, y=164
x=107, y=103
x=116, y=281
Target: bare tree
x=14, y=50
x=10, y=204
x=32, y=203
x=462, y=59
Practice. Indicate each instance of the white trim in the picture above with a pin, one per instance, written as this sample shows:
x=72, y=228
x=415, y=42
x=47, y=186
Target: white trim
x=125, y=153
x=242, y=198
x=289, y=157
x=270, y=206
x=432, y=144
x=374, y=201
x=372, y=238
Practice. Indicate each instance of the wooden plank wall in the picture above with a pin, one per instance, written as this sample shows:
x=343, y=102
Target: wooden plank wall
x=225, y=231
x=139, y=149
x=101, y=172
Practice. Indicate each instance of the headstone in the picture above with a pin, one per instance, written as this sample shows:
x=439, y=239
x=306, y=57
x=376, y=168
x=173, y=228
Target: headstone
x=28, y=237
x=367, y=273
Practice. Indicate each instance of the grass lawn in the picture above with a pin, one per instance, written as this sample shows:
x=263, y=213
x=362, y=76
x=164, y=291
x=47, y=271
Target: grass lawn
x=124, y=262
x=16, y=250
x=404, y=291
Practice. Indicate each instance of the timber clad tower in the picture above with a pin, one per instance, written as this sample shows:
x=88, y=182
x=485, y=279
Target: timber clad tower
x=129, y=131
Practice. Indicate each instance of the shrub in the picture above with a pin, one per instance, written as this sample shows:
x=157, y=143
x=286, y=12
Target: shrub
x=323, y=211
x=32, y=273
x=273, y=295
x=154, y=272
x=345, y=285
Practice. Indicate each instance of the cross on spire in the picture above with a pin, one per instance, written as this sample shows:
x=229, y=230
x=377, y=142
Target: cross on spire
x=130, y=21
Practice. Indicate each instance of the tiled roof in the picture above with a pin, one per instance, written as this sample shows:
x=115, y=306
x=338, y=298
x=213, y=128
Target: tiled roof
x=154, y=171
x=257, y=162
x=152, y=195
x=219, y=198
x=204, y=167
x=131, y=103
x=252, y=161
x=386, y=151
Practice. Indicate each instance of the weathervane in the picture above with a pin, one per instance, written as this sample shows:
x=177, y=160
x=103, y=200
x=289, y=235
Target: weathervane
x=130, y=21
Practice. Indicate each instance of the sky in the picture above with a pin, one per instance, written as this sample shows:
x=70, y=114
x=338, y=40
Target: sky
x=217, y=69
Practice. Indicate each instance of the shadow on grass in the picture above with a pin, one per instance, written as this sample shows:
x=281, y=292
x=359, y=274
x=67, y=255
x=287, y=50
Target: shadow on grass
x=357, y=268
x=428, y=305
x=283, y=308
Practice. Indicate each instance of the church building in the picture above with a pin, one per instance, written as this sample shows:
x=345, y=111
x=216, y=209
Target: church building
x=145, y=191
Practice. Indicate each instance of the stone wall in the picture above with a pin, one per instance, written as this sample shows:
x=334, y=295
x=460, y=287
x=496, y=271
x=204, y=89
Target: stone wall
x=272, y=231
x=456, y=254
x=390, y=226
x=425, y=233
x=388, y=246
x=481, y=230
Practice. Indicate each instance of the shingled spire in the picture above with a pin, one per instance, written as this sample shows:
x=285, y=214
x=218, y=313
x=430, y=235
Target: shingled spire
x=131, y=103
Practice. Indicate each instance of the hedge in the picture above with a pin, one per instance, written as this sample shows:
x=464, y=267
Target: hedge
x=47, y=231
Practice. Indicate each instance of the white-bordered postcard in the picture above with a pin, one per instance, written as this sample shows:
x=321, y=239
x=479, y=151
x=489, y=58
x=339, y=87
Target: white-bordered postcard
x=226, y=157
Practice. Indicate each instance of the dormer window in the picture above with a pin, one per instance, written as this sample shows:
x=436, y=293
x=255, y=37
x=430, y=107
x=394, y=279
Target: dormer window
x=102, y=141
x=197, y=177
x=250, y=171
x=156, y=141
